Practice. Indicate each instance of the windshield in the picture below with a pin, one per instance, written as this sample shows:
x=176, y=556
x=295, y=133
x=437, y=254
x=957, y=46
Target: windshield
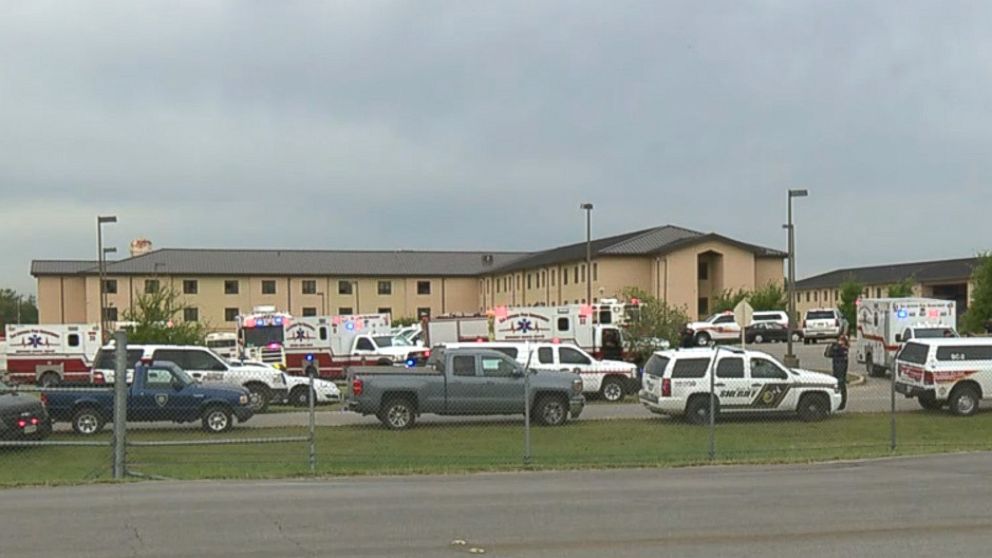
x=384, y=341
x=915, y=353
x=261, y=336
x=931, y=332
x=820, y=315
x=220, y=343
x=399, y=341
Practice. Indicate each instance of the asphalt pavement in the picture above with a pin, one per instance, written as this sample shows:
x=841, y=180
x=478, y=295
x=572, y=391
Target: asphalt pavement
x=930, y=506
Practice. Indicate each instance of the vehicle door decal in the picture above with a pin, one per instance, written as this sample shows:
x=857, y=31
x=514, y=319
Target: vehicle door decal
x=161, y=399
x=770, y=396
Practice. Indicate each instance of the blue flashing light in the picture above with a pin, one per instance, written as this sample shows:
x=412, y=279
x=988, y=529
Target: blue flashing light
x=350, y=326
x=309, y=357
x=410, y=363
x=278, y=321
x=902, y=313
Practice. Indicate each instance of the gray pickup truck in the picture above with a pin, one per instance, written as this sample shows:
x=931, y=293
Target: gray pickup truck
x=462, y=382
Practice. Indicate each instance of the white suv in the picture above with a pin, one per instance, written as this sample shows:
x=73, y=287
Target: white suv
x=204, y=365
x=955, y=372
x=677, y=383
x=822, y=323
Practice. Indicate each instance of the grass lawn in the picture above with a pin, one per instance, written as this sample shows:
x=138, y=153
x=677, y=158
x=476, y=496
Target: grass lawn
x=498, y=446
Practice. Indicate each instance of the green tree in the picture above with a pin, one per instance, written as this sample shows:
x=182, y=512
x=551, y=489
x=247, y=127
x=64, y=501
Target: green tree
x=770, y=297
x=980, y=307
x=156, y=318
x=728, y=299
x=902, y=289
x=16, y=308
x=850, y=290
x=656, y=319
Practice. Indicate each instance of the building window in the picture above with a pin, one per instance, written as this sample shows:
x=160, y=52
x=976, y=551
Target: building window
x=345, y=287
x=564, y=277
x=345, y=311
x=309, y=286
x=520, y=282
x=423, y=313
x=268, y=287
x=191, y=286
x=110, y=314
x=583, y=273
x=807, y=296
x=230, y=314
x=554, y=277
x=498, y=286
x=191, y=314
x=836, y=295
x=576, y=274
x=595, y=271
x=385, y=310
x=151, y=286
x=703, y=306
x=816, y=296
x=110, y=286
x=878, y=292
x=385, y=287
x=489, y=285
x=423, y=287
x=528, y=281
x=231, y=287
x=704, y=271
x=309, y=311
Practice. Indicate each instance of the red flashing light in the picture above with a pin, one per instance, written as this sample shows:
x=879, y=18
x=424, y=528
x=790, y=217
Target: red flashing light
x=427, y=353
x=635, y=301
x=22, y=423
x=357, y=387
x=34, y=421
x=928, y=378
x=555, y=341
x=249, y=322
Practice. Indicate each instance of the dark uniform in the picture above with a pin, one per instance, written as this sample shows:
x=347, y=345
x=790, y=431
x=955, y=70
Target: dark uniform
x=838, y=354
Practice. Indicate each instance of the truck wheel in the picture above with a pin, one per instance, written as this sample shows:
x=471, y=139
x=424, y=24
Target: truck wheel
x=551, y=411
x=398, y=414
x=868, y=364
x=759, y=338
x=259, y=397
x=929, y=402
x=384, y=362
x=49, y=379
x=216, y=420
x=88, y=421
x=796, y=337
x=964, y=401
x=299, y=397
x=813, y=407
x=703, y=339
x=611, y=390
x=697, y=411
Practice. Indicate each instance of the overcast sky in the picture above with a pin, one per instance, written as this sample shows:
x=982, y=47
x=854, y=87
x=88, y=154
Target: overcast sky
x=484, y=124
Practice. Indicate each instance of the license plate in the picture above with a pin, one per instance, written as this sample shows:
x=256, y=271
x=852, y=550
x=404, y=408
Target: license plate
x=31, y=429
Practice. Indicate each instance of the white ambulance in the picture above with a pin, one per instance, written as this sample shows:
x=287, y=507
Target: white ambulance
x=951, y=372
x=610, y=379
x=47, y=355
x=224, y=343
x=884, y=324
x=574, y=324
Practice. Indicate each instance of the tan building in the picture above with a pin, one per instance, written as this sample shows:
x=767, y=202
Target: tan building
x=943, y=279
x=685, y=267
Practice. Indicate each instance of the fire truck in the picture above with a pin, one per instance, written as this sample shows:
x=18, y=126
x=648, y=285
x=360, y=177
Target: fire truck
x=335, y=342
x=577, y=324
x=51, y=354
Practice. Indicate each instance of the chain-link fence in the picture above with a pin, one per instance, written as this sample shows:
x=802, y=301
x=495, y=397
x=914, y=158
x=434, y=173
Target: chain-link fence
x=466, y=412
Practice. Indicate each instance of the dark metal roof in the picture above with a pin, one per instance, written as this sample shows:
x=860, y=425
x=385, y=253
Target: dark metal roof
x=649, y=242
x=173, y=261
x=924, y=272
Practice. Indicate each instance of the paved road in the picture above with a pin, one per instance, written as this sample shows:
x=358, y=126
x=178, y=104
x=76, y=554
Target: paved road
x=934, y=506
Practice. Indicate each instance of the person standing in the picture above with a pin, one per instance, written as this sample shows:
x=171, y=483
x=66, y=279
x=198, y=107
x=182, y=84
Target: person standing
x=838, y=353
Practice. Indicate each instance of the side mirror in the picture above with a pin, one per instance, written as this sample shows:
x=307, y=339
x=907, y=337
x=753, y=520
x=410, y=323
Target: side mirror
x=177, y=384
x=898, y=338
x=519, y=372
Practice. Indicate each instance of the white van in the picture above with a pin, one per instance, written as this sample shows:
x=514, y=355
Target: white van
x=952, y=372
x=611, y=379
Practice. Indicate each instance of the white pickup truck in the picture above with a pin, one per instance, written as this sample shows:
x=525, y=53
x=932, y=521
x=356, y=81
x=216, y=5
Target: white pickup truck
x=719, y=327
x=264, y=384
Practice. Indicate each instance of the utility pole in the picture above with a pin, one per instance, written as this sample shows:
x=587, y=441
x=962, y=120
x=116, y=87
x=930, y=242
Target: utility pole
x=588, y=209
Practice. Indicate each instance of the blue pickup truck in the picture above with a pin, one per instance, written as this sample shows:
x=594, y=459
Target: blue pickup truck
x=160, y=391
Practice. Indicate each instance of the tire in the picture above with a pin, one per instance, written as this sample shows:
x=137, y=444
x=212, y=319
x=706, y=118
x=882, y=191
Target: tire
x=259, y=397
x=759, y=338
x=49, y=379
x=299, y=397
x=88, y=421
x=551, y=411
x=868, y=364
x=876, y=371
x=805, y=341
x=398, y=413
x=964, y=401
x=813, y=407
x=697, y=410
x=611, y=390
x=703, y=339
x=384, y=362
x=796, y=337
x=216, y=419
x=929, y=402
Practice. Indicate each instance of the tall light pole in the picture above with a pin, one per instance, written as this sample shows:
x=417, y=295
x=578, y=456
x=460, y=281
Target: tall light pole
x=588, y=209
x=790, y=358
x=102, y=265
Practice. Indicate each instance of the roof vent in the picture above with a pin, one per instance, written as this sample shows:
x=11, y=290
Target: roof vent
x=487, y=259
x=140, y=246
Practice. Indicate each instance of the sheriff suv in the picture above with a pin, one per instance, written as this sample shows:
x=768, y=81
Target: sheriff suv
x=677, y=383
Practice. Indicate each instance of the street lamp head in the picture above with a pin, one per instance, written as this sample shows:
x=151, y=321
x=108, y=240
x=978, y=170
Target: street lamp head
x=586, y=206
x=798, y=193
x=110, y=250
x=106, y=219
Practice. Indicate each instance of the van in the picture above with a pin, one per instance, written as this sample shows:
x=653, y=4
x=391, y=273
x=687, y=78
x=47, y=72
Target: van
x=946, y=372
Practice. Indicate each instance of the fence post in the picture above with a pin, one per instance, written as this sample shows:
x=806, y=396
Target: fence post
x=313, y=437
x=527, y=454
x=712, y=425
x=892, y=410
x=120, y=404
